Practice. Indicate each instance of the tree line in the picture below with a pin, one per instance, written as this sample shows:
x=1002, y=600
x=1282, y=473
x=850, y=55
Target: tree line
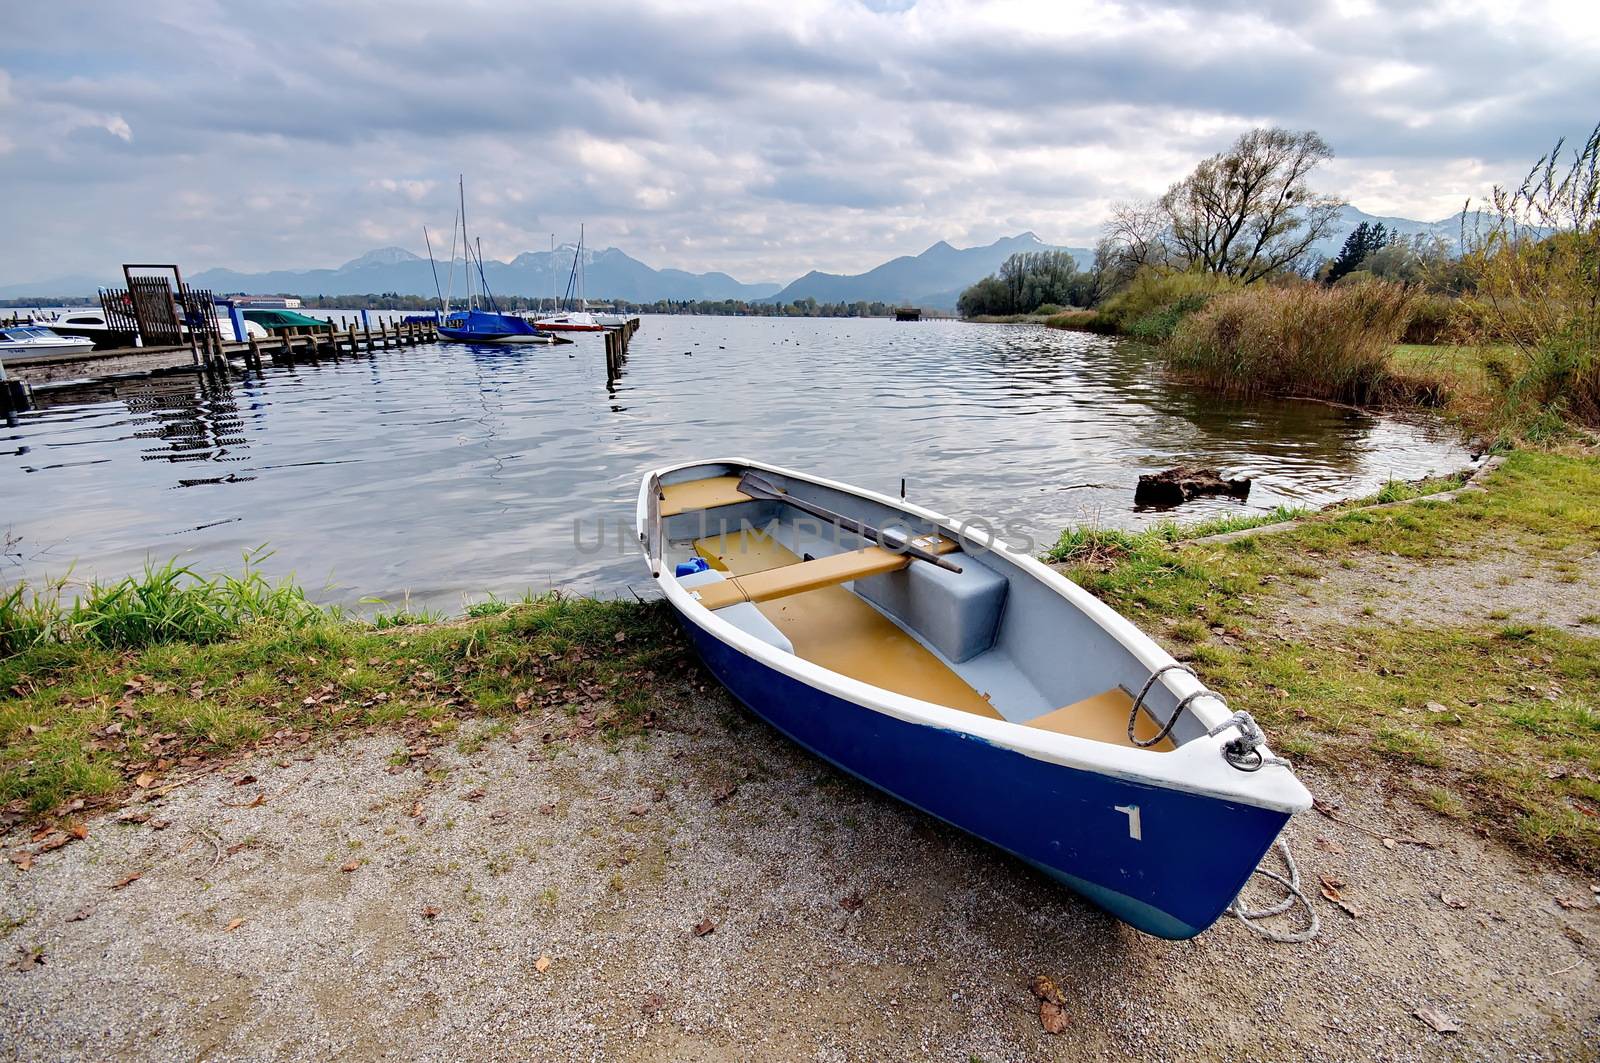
x=1245, y=215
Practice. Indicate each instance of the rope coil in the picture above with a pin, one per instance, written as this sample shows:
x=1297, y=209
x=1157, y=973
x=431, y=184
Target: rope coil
x=1250, y=916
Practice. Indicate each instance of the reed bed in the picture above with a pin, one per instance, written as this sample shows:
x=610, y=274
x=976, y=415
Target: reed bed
x=1301, y=340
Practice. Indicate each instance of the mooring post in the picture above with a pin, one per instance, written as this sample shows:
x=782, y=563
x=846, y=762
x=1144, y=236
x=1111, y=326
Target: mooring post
x=354, y=347
x=15, y=395
x=255, y=353
x=366, y=330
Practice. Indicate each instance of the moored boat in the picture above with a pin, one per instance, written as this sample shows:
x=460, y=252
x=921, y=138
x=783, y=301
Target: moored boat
x=484, y=326
x=972, y=682
x=576, y=321
x=24, y=341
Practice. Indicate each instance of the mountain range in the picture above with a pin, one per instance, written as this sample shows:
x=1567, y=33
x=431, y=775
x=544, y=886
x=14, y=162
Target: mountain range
x=933, y=278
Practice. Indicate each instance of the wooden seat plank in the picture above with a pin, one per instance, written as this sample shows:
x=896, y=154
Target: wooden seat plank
x=709, y=493
x=833, y=628
x=782, y=580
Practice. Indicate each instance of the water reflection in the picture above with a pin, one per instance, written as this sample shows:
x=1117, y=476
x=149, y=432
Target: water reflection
x=444, y=470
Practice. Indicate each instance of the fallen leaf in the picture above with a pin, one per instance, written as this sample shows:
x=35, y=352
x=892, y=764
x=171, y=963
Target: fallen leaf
x=78, y=831
x=723, y=792
x=416, y=810
x=473, y=795
x=430, y=911
x=542, y=964
x=852, y=901
x=1044, y=987
x=233, y=924
x=639, y=809
x=545, y=810
x=160, y=824
x=128, y=879
x=244, y=780
x=1329, y=845
x=1452, y=901
x=350, y=865
x=1440, y=1022
x=704, y=927
x=30, y=959
x=80, y=915
x=1574, y=902
x=144, y=780
x=1053, y=1017
x=23, y=860
x=53, y=841
x=652, y=1003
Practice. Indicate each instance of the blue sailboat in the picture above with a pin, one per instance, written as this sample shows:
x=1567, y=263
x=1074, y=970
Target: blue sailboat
x=970, y=681
x=476, y=324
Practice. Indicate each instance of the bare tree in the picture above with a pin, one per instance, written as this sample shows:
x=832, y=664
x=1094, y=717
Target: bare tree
x=1136, y=236
x=1247, y=212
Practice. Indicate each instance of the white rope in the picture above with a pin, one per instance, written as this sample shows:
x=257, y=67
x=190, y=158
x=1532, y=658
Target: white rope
x=1250, y=916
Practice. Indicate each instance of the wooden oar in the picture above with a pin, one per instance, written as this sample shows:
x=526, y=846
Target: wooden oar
x=757, y=487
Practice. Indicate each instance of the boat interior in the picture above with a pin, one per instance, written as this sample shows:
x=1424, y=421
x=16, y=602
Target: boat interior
x=990, y=639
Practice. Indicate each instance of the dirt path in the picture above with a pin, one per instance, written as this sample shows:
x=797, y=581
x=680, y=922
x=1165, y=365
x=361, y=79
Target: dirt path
x=841, y=924
x=1498, y=585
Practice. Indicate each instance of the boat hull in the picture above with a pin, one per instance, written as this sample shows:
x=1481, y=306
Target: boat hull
x=1191, y=856
x=18, y=352
x=561, y=326
x=461, y=336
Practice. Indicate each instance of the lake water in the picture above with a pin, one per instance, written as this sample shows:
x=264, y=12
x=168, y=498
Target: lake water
x=444, y=471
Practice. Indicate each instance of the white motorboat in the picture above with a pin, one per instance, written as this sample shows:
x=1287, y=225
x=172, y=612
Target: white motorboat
x=26, y=341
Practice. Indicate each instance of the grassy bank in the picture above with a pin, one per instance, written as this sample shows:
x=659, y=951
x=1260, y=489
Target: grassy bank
x=147, y=683
x=143, y=683
x=1485, y=719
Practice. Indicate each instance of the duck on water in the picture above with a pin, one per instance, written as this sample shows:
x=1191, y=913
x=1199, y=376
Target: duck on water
x=971, y=682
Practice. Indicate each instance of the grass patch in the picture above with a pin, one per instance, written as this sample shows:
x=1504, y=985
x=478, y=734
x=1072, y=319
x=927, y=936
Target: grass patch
x=91, y=708
x=1105, y=544
x=1517, y=745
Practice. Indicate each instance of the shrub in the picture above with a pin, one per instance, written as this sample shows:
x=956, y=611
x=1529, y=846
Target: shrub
x=1330, y=343
x=1157, y=299
x=1536, y=274
x=1434, y=319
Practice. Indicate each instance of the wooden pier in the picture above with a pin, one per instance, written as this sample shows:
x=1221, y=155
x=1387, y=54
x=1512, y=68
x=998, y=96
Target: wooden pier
x=19, y=375
x=213, y=353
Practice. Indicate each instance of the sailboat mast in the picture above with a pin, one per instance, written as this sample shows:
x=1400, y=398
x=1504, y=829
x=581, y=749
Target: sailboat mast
x=466, y=241
x=583, y=304
x=432, y=266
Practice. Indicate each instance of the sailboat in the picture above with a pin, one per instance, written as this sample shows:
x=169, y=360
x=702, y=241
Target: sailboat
x=475, y=325
x=579, y=320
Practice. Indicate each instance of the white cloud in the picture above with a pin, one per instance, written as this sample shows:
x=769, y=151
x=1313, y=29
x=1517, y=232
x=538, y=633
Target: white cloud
x=763, y=139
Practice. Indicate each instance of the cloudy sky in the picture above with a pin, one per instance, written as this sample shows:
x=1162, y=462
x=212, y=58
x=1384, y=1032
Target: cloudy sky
x=759, y=138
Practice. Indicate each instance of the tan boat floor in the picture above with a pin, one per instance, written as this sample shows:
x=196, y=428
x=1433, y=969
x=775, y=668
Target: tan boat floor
x=709, y=493
x=833, y=628
x=1104, y=718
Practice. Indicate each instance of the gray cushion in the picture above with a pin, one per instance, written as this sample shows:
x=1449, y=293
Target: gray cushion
x=957, y=613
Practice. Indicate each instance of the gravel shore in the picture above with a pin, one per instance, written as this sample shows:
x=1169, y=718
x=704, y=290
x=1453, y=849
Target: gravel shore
x=708, y=891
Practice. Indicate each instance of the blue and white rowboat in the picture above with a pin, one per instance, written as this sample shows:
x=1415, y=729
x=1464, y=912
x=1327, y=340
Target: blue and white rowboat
x=971, y=682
